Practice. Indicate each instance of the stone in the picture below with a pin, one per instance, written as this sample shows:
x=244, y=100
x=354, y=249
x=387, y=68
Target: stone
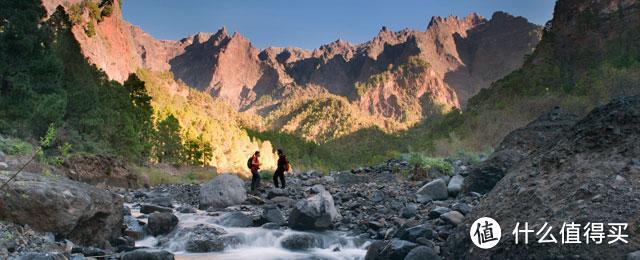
x=273, y=215
x=4, y=166
x=77, y=211
x=133, y=228
x=377, y=196
x=147, y=254
x=235, y=219
x=316, y=212
x=422, y=252
x=434, y=190
x=148, y=209
x=161, y=223
x=462, y=207
x=301, y=241
x=42, y=256
x=452, y=217
x=435, y=213
x=635, y=255
x=186, y=209
x=414, y=233
x=223, y=191
x=394, y=249
x=204, y=245
x=272, y=193
x=409, y=211
x=455, y=185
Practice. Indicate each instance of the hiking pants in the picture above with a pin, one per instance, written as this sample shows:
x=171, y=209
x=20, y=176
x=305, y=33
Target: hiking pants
x=276, y=175
x=255, y=180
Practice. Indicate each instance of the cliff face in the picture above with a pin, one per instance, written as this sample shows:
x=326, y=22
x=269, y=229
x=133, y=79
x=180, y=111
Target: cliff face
x=457, y=57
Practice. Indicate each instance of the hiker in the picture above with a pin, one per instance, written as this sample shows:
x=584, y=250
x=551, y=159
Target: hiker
x=283, y=166
x=254, y=166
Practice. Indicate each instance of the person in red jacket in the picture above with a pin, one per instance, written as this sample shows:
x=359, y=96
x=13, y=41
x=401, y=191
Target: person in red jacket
x=254, y=165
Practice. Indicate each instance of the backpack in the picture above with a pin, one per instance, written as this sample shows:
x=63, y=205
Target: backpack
x=250, y=163
x=287, y=165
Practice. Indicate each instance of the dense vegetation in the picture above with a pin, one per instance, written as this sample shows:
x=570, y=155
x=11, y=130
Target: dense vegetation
x=46, y=80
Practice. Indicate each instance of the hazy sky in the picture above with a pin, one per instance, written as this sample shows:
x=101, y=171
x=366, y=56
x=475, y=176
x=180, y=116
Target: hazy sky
x=307, y=23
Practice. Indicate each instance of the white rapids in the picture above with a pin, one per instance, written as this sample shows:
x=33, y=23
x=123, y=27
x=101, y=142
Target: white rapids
x=254, y=242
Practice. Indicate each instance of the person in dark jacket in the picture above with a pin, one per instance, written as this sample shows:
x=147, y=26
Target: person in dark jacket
x=254, y=163
x=283, y=166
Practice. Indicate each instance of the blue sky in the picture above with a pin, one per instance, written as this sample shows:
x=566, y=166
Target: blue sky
x=308, y=24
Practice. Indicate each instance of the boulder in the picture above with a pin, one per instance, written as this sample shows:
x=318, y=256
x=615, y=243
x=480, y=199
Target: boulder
x=148, y=209
x=80, y=212
x=273, y=215
x=147, y=254
x=223, y=191
x=409, y=211
x=42, y=256
x=414, y=233
x=434, y=190
x=316, y=212
x=186, y=209
x=161, y=223
x=422, y=252
x=272, y=193
x=452, y=217
x=204, y=244
x=301, y=241
x=235, y=219
x=455, y=185
x=133, y=228
x=435, y=213
x=394, y=249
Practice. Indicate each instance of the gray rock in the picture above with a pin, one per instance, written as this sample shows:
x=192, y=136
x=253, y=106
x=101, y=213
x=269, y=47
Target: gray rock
x=133, y=228
x=147, y=254
x=316, y=212
x=4, y=166
x=434, y=190
x=452, y=217
x=204, y=245
x=42, y=256
x=378, y=196
x=301, y=241
x=435, y=213
x=273, y=214
x=148, y=209
x=394, y=249
x=161, y=223
x=455, y=185
x=409, y=211
x=462, y=207
x=223, y=191
x=235, y=219
x=73, y=210
x=422, y=252
x=635, y=255
x=414, y=233
x=272, y=193
x=186, y=209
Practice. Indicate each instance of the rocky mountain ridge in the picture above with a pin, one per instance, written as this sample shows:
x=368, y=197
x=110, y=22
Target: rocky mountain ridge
x=459, y=56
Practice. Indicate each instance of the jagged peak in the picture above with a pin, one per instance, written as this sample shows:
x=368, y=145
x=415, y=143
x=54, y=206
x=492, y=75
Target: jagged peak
x=472, y=19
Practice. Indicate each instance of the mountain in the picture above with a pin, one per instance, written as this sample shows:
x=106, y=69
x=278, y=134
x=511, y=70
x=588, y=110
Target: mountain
x=394, y=81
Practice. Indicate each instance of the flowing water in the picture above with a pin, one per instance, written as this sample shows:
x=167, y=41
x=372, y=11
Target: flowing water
x=253, y=242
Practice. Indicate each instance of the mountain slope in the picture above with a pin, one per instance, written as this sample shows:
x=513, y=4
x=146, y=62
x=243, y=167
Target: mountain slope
x=463, y=55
